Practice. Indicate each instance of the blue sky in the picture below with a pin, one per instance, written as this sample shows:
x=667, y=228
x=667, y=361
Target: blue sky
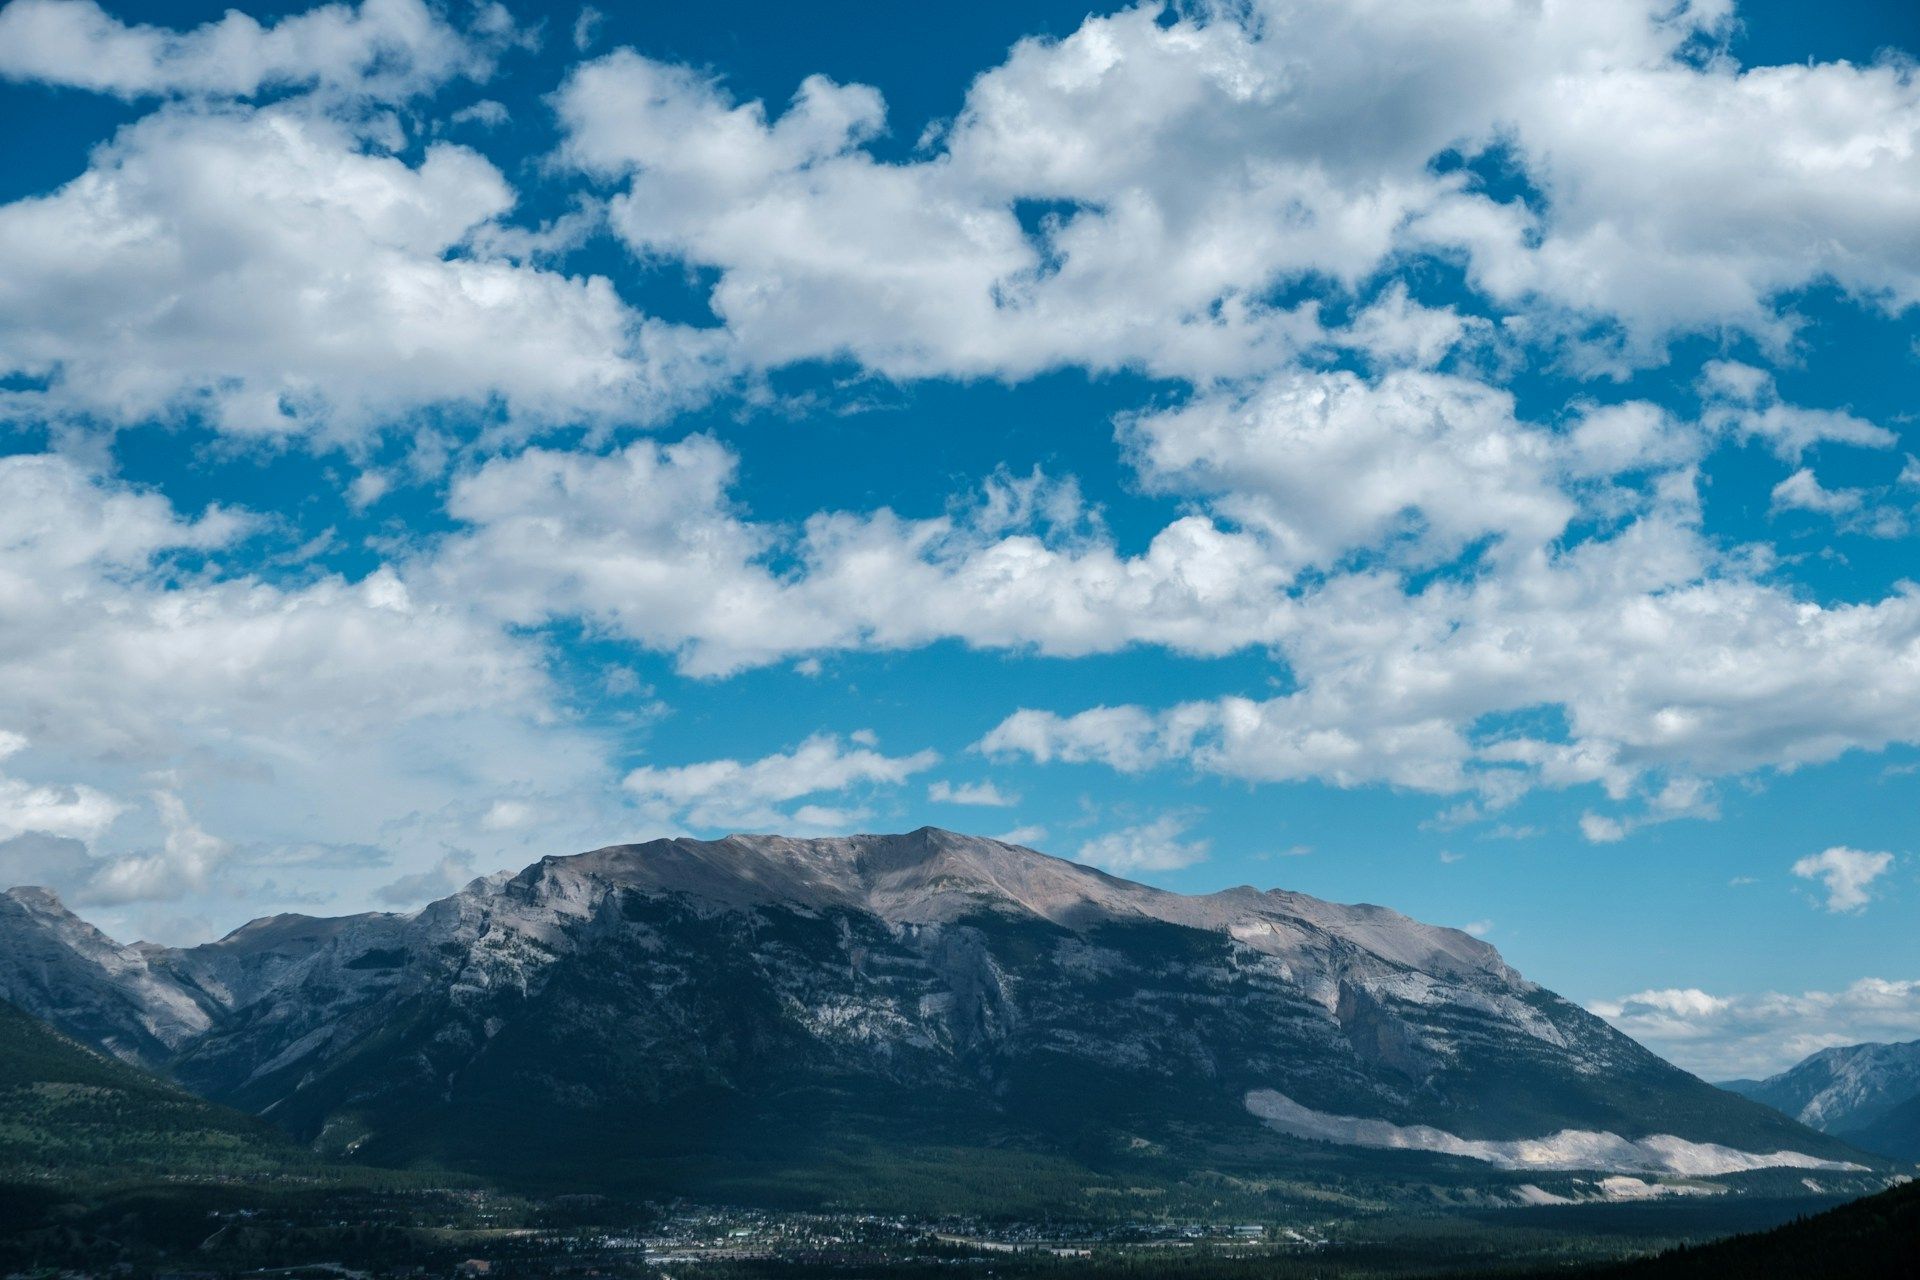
x=1457, y=457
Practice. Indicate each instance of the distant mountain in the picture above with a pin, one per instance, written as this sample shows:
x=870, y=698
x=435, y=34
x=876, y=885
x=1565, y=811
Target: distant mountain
x=68, y=1114
x=762, y=1017
x=1867, y=1094
x=62, y=969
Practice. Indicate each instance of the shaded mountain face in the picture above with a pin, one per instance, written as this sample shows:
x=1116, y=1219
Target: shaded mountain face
x=1868, y=1094
x=687, y=1009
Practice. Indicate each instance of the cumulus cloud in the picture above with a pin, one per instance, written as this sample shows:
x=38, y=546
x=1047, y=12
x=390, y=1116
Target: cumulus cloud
x=1852, y=510
x=388, y=50
x=76, y=812
x=1847, y=874
x=268, y=271
x=1802, y=491
x=101, y=650
x=648, y=543
x=972, y=793
x=1329, y=463
x=1742, y=401
x=1725, y=1037
x=1158, y=845
x=128, y=654
x=1183, y=164
x=748, y=794
x=1663, y=656
x=183, y=864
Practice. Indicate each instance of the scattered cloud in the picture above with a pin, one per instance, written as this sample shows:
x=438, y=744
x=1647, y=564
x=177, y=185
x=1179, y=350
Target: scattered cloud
x=648, y=542
x=736, y=794
x=586, y=26
x=73, y=811
x=387, y=50
x=1153, y=846
x=183, y=864
x=973, y=793
x=291, y=302
x=1752, y=1036
x=1847, y=874
x=453, y=871
x=1180, y=206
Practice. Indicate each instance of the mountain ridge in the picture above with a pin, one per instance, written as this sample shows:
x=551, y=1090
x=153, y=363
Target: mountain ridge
x=1867, y=1094
x=685, y=1000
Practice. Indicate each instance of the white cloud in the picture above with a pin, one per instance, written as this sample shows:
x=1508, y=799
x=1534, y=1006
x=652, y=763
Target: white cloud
x=268, y=270
x=1187, y=164
x=647, y=543
x=1153, y=846
x=1802, y=491
x=1752, y=1036
x=747, y=794
x=127, y=654
x=182, y=865
x=1669, y=660
x=1598, y=828
x=383, y=49
x=973, y=793
x=72, y=811
x=48, y=853
x=1329, y=463
x=98, y=653
x=1741, y=400
x=1852, y=510
x=452, y=872
x=486, y=113
x=1847, y=874
x=1131, y=196
x=586, y=26
x=1185, y=167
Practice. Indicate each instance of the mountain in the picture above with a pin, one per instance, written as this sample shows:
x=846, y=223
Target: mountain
x=64, y=970
x=70, y=1114
x=927, y=1016
x=1868, y=1094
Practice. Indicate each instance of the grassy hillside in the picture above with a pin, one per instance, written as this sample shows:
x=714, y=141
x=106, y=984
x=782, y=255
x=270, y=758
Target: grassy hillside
x=73, y=1116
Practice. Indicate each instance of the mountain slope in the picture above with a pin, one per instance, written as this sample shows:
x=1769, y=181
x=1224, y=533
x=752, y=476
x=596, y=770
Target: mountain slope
x=1894, y=1132
x=69, y=1114
x=759, y=1012
x=59, y=968
x=1869, y=1094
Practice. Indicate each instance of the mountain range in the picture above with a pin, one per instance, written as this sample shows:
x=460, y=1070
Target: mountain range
x=927, y=1015
x=1866, y=1094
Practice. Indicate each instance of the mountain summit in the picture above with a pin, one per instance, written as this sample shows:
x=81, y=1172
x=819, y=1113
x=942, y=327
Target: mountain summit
x=730, y=1012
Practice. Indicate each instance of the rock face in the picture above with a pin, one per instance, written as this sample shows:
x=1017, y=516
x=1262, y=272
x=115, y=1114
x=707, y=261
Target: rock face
x=121, y=999
x=1868, y=1094
x=689, y=1005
